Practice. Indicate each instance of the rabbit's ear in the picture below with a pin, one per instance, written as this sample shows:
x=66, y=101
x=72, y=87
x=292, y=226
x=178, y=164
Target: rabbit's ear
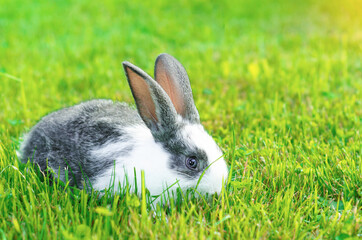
x=153, y=104
x=172, y=77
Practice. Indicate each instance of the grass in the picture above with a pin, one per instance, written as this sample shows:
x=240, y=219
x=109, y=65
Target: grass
x=277, y=83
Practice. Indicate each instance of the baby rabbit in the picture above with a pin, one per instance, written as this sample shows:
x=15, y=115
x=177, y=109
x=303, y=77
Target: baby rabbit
x=100, y=142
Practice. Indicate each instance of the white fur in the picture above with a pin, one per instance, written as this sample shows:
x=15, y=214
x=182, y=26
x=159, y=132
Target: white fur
x=146, y=155
x=213, y=179
x=25, y=140
x=110, y=148
x=150, y=156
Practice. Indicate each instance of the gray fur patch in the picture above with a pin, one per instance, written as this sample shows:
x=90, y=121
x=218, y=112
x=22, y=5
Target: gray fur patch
x=181, y=149
x=66, y=138
x=166, y=113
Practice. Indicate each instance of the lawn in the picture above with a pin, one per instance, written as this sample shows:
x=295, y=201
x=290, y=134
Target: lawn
x=277, y=84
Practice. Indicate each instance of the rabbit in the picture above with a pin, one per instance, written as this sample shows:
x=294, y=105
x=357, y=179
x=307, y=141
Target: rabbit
x=103, y=141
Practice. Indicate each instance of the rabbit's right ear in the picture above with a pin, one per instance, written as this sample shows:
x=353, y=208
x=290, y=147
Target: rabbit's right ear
x=173, y=78
x=153, y=103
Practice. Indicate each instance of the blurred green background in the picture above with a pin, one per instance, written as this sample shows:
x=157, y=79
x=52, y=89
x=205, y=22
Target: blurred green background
x=67, y=51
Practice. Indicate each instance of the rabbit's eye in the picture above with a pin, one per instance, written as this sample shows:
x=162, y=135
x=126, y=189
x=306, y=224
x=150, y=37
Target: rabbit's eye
x=191, y=163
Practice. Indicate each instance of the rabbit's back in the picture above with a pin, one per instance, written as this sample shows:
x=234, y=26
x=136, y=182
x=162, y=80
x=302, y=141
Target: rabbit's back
x=67, y=137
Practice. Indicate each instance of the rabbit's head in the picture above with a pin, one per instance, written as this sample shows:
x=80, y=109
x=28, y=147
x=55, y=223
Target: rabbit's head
x=167, y=108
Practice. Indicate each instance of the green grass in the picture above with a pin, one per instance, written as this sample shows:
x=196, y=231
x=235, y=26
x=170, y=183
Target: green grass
x=277, y=83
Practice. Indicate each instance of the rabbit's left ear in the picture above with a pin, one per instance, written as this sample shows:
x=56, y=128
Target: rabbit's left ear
x=153, y=104
x=172, y=77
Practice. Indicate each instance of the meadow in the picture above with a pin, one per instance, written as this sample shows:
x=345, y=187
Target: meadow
x=277, y=84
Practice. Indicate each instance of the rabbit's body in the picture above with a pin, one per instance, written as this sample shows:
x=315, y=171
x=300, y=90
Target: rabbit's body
x=102, y=143
x=67, y=138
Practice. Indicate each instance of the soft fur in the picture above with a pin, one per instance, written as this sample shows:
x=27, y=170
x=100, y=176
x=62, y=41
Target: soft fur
x=101, y=142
